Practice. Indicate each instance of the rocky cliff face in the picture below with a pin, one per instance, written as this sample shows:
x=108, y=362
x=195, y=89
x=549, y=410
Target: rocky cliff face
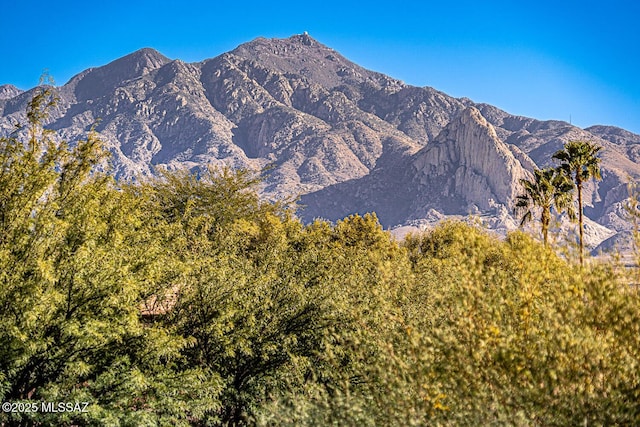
x=465, y=170
x=344, y=138
x=474, y=164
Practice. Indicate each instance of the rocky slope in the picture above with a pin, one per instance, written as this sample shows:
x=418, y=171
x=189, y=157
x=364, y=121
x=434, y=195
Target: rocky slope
x=9, y=91
x=449, y=176
x=462, y=154
x=344, y=138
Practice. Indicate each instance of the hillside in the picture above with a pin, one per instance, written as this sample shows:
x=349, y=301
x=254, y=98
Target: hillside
x=344, y=138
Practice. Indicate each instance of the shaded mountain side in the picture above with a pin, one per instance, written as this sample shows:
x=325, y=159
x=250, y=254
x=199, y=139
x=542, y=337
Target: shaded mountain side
x=345, y=138
x=466, y=168
x=390, y=192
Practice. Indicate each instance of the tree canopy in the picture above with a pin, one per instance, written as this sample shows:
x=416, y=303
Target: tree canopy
x=188, y=300
x=579, y=161
x=548, y=189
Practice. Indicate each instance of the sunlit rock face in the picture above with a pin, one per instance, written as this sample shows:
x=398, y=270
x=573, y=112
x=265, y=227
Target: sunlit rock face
x=477, y=166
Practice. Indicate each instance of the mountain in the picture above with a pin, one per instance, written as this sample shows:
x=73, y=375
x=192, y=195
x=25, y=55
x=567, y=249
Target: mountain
x=9, y=91
x=466, y=168
x=343, y=138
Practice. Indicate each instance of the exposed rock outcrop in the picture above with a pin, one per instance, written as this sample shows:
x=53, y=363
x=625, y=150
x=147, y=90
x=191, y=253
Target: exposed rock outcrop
x=472, y=162
x=9, y=91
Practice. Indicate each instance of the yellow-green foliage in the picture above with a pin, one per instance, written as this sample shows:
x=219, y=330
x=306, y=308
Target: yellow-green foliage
x=189, y=301
x=77, y=258
x=512, y=333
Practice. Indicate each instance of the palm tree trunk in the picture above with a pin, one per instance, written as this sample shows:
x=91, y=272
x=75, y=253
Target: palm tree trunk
x=545, y=220
x=581, y=231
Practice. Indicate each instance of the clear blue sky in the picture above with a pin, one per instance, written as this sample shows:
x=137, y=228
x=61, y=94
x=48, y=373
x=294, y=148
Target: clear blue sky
x=543, y=59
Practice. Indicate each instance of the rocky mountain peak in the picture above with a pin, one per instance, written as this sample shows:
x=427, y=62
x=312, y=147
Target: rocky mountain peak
x=95, y=82
x=472, y=162
x=277, y=46
x=302, y=56
x=9, y=91
x=138, y=62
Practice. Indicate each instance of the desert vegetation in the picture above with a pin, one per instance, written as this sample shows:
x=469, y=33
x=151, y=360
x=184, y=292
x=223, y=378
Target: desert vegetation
x=187, y=300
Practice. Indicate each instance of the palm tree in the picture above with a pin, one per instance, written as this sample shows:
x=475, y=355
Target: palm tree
x=549, y=188
x=578, y=161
